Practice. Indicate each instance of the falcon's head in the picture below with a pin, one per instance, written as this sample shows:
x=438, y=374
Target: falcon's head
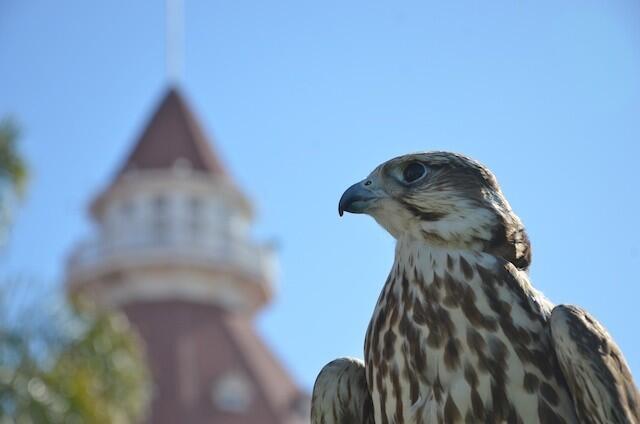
x=444, y=198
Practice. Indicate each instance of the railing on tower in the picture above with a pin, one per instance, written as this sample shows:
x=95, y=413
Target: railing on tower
x=253, y=260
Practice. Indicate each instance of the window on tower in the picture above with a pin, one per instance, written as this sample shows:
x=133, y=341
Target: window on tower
x=232, y=392
x=196, y=216
x=160, y=220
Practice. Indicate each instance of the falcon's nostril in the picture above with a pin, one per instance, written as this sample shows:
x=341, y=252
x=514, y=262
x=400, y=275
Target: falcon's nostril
x=367, y=183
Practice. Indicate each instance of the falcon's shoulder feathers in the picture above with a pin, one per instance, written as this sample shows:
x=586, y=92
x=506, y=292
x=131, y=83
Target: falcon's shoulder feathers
x=595, y=369
x=340, y=394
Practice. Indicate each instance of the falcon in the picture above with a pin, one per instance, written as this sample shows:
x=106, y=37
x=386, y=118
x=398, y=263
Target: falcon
x=458, y=333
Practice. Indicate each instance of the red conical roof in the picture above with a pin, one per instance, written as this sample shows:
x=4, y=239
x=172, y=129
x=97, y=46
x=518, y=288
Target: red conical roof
x=173, y=133
x=171, y=137
x=192, y=346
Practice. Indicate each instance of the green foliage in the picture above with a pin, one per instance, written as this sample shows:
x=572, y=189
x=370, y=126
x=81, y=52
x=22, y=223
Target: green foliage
x=99, y=377
x=110, y=369
x=61, y=363
x=13, y=170
x=13, y=173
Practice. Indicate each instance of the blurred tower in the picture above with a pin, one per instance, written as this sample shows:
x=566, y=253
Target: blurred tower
x=172, y=250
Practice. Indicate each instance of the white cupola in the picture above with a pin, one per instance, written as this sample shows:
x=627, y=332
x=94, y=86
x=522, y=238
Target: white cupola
x=172, y=224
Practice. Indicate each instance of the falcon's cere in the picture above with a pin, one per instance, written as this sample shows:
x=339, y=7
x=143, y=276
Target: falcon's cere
x=458, y=333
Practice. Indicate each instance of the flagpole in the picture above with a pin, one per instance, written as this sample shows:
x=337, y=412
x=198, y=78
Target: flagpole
x=174, y=39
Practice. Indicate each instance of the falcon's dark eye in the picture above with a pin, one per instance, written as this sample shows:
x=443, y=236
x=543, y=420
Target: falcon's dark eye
x=413, y=172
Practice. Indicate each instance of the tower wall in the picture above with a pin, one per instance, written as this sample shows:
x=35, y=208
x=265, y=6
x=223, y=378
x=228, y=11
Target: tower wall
x=172, y=249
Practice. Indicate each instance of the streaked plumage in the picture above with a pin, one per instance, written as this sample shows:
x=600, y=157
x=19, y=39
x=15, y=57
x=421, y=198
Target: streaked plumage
x=458, y=333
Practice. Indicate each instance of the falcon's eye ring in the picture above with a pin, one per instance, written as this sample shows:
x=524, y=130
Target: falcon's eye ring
x=413, y=172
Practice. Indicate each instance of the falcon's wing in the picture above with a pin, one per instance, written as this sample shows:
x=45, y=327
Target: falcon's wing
x=340, y=394
x=597, y=374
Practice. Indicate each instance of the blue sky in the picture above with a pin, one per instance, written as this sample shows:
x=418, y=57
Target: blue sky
x=305, y=98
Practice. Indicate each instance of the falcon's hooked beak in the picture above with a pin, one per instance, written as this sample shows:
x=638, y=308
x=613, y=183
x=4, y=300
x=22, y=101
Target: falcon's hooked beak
x=360, y=197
